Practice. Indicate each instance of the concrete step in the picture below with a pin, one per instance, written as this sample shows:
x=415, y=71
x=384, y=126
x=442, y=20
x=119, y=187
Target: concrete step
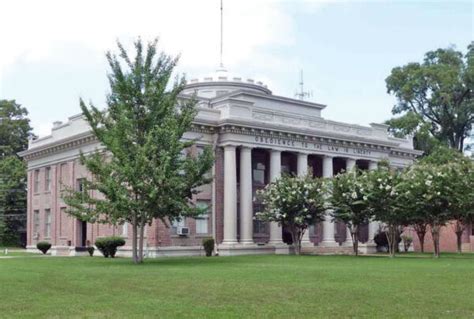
x=321, y=250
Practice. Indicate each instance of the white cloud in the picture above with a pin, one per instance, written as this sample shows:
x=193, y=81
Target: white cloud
x=31, y=29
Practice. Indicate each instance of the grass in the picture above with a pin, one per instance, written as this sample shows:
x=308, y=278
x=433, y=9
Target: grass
x=237, y=287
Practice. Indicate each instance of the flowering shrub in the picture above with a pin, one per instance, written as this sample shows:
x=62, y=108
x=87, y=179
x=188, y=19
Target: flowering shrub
x=293, y=202
x=437, y=193
x=384, y=201
x=350, y=201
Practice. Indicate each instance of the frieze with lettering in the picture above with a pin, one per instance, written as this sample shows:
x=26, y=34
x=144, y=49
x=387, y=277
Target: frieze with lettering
x=311, y=145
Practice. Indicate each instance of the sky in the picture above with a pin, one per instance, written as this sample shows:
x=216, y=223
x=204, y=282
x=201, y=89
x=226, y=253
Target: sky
x=53, y=52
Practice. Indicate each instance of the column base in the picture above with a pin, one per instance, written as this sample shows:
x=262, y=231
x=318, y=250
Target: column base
x=347, y=244
x=241, y=249
x=306, y=244
x=368, y=248
x=230, y=243
x=281, y=248
x=329, y=243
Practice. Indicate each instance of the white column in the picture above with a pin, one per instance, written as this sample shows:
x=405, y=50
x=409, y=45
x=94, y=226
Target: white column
x=275, y=173
x=302, y=167
x=348, y=241
x=373, y=165
x=350, y=164
x=302, y=170
x=328, y=225
x=373, y=225
x=246, y=206
x=230, y=196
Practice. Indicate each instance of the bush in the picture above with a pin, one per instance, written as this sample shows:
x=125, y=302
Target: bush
x=382, y=242
x=91, y=250
x=43, y=246
x=108, y=245
x=208, y=244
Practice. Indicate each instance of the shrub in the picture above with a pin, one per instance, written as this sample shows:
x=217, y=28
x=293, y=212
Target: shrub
x=407, y=240
x=43, y=246
x=382, y=241
x=208, y=244
x=108, y=245
x=91, y=250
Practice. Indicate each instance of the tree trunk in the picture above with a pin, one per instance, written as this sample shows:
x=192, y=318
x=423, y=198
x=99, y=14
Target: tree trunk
x=391, y=238
x=296, y=236
x=421, y=232
x=134, y=238
x=459, y=229
x=435, y=234
x=355, y=239
x=141, y=240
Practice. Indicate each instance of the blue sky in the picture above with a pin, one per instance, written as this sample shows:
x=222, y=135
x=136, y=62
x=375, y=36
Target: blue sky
x=346, y=48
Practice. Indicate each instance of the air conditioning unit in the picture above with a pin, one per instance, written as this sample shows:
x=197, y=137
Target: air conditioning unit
x=183, y=231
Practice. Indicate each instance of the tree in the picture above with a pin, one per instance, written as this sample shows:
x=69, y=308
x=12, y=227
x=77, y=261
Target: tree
x=143, y=172
x=460, y=175
x=384, y=200
x=12, y=199
x=462, y=203
x=295, y=202
x=15, y=130
x=435, y=96
x=349, y=201
x=411, y=124
x=431, y=189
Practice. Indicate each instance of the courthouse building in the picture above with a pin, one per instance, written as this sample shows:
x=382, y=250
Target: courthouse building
x=256, y=136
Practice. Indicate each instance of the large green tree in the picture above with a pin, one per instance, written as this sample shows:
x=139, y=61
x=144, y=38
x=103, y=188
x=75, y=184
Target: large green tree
x=15, y=130
x=143, y=172
x=435, y=98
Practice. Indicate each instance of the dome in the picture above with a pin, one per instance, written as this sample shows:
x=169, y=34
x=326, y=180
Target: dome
x=222, y=82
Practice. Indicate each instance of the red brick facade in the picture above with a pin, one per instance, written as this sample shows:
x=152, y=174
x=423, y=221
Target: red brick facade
x=448, y=239
x=47, y=220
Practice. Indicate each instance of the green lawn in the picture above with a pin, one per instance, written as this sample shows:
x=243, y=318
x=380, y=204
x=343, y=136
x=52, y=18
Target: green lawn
x=238, y=287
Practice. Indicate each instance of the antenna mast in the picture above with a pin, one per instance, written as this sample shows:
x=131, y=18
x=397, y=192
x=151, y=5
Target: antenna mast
x=222, y=37
x=302, y=94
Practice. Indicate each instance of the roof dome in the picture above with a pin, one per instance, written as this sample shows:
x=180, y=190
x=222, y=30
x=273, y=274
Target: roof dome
x=222, y=82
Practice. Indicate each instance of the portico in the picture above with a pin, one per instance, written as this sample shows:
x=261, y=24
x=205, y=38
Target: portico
x=239, y=206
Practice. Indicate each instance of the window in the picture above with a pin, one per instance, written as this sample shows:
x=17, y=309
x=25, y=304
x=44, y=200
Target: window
x=259, y=174
x=47, y=223
x=36, y=222
x=259, y=227
x=80, y=184
x=36, y=181
x=80, y=187
x=47, y=179
x=125, y=229
x=176, y=224
x=202, y=221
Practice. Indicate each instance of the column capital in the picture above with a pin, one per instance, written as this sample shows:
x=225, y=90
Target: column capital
x=245, y=148
x=229, y=147
x=275, y=151
x=303, y=153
